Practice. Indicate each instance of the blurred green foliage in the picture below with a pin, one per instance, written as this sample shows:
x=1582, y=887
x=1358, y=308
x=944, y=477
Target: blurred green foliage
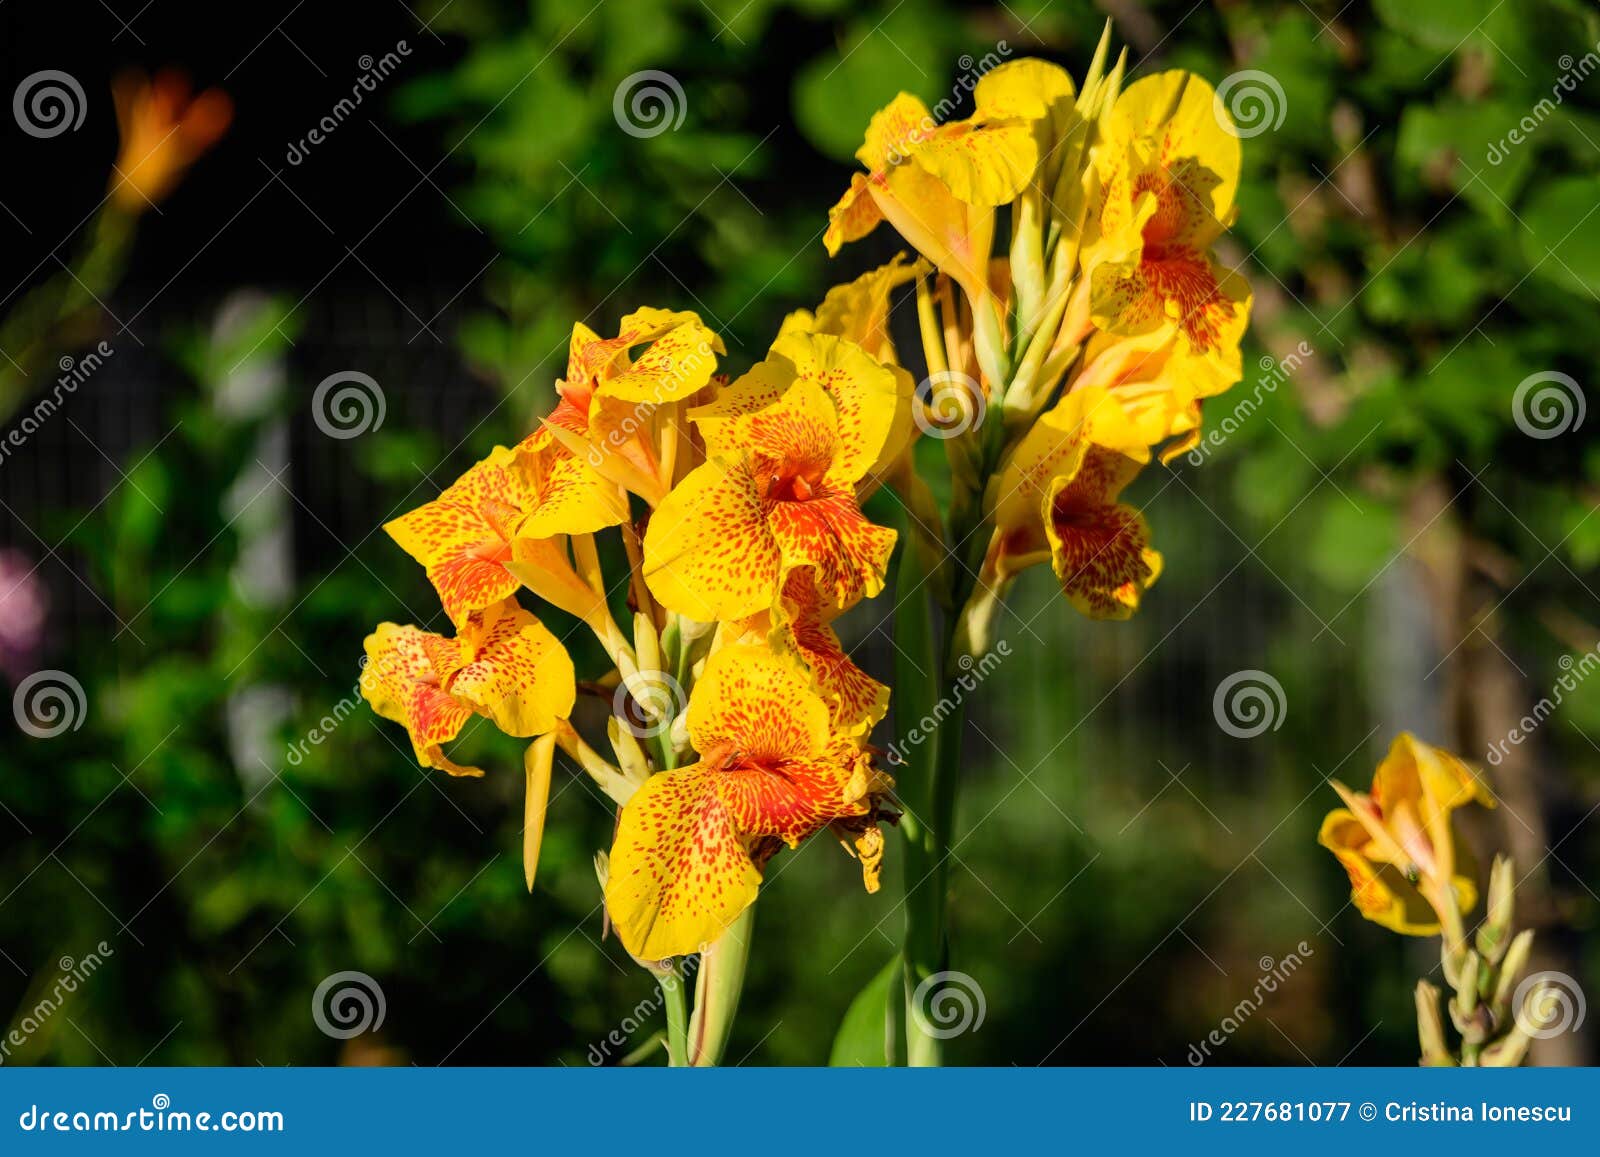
x=1126, y=867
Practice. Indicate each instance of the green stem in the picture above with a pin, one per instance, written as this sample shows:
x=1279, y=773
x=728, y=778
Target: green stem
x=717, y=987
x=672, y=990
x=916, y=692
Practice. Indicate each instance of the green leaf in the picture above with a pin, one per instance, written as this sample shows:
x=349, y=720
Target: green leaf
x=1442, y=25
x=1561, y=234
x=870, y=1034
x=836, y=94
x=1484, y=148
x=1351, y=543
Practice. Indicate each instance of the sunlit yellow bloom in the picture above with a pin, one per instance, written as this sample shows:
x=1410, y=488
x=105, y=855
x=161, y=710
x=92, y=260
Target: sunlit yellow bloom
x=936, y=184
x=1042, y=95
x=692, y=842
x=1056, y=499
x=504, y=664
x=858, y=310
x=509, y=508
x=1160, y=381
x=787, y=446
x=610, y=410
x=1168, y=172
x=164, y=130
x=1396, y=841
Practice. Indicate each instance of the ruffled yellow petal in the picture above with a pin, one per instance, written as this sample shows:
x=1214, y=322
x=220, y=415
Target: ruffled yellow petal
x=981, y=164
x=520, y=676
x=759, y=703
x=871, y=404
x=893, y=132
x=463, y=538
x=568, y=496
x=858, y=310
x=1054, y=447
x=1028, y=89
x=708, y=552
x=1099, y=548
x=1178, y=112
x=854, y=216
x=1380, y=892
x=679, y=358
x=679, y=871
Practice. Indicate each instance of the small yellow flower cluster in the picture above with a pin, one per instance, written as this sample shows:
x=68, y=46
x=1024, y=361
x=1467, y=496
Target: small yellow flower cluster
x=1410, y=873
x=739, y=723
x=1096, y=336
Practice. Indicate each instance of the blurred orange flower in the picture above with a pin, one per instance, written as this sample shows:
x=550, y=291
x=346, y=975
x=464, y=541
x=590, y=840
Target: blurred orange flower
x=164, y=130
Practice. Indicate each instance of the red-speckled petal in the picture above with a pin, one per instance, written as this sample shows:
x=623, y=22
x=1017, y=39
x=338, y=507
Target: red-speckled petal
x=828, y=533
x=679, y=870
x=520, y=676
x=856, y=699
x=709, y=553
x=463, y=538
x=789, y=800
x=1100, y=548
x=400, y=682
x=854, y=216
x=758, y=705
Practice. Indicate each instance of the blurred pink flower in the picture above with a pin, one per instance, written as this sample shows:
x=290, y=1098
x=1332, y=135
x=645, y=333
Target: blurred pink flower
x=23, y=606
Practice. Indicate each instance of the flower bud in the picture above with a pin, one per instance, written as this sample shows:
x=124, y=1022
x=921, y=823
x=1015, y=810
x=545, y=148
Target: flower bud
x=1430, y=1028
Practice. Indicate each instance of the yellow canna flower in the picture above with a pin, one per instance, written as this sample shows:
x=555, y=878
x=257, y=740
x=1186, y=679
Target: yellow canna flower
x=610, y=398
x=1396, y=841
x=788, y=445
x=692, y=842
x=1168, y=171
x=858, y=311
x=1160, y=381
x=504, y=664
x=936, y=184
x=1056, y=499
x=509, y=509
x=164, y=130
